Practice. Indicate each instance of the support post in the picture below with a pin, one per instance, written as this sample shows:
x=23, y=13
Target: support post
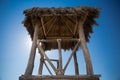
x=30, y=64
x=60, y=71
x=76, y=64
x=86, y=53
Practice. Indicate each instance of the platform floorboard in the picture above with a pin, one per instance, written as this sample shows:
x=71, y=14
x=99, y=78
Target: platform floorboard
x=80, y=77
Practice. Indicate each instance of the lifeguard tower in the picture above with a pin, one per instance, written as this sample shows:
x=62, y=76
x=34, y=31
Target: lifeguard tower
x=62, y=29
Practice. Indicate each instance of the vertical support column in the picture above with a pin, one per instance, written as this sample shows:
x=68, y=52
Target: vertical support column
x=60, y=54
x=30, y=64
x=86, y=53
x=76, y=64
x=60, y=71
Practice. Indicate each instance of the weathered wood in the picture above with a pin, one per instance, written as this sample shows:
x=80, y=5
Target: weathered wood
x=76, y=25
x=60, y=77
x=67, y=26
x=43, y=26
x=52, y=60
x=60, y=54
x=51, y=23
x=73, y=51
x=76, y=64
x=86, y=53
x=30, y=64
x=54, y=40
x=41, y=66
x=46, y=57
x=60, y=71
x=48, y=68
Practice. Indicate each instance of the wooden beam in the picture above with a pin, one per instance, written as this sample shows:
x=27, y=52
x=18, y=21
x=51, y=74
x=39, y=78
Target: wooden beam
x=71, y=55
x=67, y=26
x=58, y=37
x=52, y=60
x=54, y=40
x=45, y=15
x=30, y=64
x=51, y=27
x=76, y=64
x=76, y=25
x=48, y=68
x=46, y=57
x=50, y=20
x=60, y=54
x=70, y=20
x=41, y=66
x=43, y=26
x=86, y=53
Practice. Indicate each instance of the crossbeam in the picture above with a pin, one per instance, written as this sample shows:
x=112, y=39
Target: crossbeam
x=55, y=40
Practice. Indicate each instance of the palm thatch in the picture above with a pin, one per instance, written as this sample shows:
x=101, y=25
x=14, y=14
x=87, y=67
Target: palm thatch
x=60, y=23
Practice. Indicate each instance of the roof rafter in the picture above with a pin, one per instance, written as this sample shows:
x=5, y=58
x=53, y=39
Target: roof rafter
x=43, y=26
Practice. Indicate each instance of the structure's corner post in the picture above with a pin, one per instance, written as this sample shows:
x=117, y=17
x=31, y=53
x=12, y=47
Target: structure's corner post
x=30, y=64
x=86, y=53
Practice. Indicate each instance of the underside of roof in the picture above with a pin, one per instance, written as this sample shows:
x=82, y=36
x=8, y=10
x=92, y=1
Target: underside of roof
x=58, y=23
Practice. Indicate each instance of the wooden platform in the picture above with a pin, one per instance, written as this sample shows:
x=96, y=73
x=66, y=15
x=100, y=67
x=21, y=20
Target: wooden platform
x=81, y=77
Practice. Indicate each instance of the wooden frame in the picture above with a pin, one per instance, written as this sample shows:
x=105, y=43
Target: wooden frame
x=60, y=70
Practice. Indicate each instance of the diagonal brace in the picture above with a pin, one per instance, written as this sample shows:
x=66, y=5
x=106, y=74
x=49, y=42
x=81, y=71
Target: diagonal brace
x=71, y=55
x=46, y=57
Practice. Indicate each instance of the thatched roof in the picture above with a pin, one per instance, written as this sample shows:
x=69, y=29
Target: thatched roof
x=60, y=23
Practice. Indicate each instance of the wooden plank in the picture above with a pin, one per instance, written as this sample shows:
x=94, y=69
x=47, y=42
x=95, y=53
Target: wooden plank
x=60, y=77
x=86, y=53
x=73, y=51
x=46, y=57
x=76, y=64
x=30, y=64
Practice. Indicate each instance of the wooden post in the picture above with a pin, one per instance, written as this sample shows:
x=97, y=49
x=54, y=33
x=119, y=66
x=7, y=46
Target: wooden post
x=30, y=64
x=60, y=71
x=86, y=53
x=41, y=61
x=76, y=64
x=73, y=51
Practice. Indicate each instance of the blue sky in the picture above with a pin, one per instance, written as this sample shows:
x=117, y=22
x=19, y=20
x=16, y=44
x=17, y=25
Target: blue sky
x=104, y=45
